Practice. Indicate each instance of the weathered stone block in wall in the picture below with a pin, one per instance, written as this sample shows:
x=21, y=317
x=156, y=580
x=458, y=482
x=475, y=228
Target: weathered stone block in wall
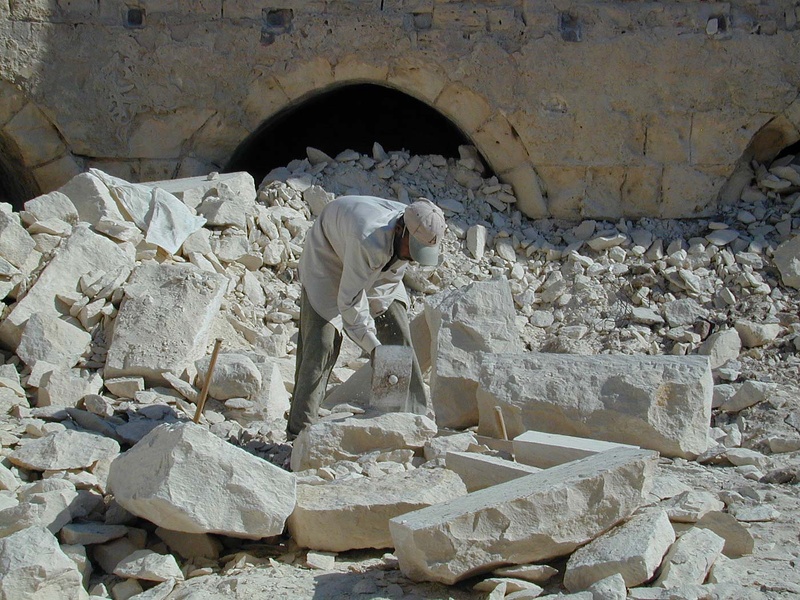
x=353, y=68
x=719, y=137
x=527, y=190
x=603, y=193
x=464, y=106
x=501, y=144
x=641, y=191
x=668, y=137
x=480, y=317
x=162, y=136
x=531, y=519
x=164, y=321
x=325, y=515
x=457, y=16
x=82, y=252
x=36, y=139
x=12, y=100
x=265, y=97
x=409, y=76
x=313, y=75
x=657, y=402
x=565, y=188
x=691, y=191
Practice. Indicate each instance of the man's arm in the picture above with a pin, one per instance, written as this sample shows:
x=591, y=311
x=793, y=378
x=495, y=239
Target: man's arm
x=357, y=276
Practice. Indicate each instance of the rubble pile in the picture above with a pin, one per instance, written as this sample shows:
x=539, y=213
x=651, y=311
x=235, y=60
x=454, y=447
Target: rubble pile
x=614, y=409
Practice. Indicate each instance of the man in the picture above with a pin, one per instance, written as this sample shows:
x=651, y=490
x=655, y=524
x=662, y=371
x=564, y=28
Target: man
x=351, y=271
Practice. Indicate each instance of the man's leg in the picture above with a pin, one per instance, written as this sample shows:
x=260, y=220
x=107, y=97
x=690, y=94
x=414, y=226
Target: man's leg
x=318, y=346
x=393, y=328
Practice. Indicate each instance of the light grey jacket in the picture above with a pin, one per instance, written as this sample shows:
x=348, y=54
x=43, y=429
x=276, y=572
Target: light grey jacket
x=341, y=266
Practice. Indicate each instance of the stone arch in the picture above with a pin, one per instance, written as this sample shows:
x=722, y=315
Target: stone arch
x=488, y=129
x=33, y=157
x=767, y=143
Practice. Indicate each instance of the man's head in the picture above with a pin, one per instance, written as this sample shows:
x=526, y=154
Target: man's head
x=424, y=222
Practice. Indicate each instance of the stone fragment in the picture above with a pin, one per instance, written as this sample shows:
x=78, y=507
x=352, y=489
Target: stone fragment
x=441, y=445
x=749, y=394
x=55, y=205
x=64, y=450
x=34, y=566
x=325, y=515
x=124, y=387
x=683, y=311
x=511, y=585
x=691, y=506
x=91, y=533
x=787, y=259
x=738, y=540
x=82, y=252
x=476, y=241
x=515, y=522
x=92, y=199
x=234, y=376
x=241, y=496
x=657, y=402
x=480, y=317
x=16, y=244
x=611, y=588
x=323, y=561
x=108, y=555
x=152, y=333
x=326, y=442
x=754, y=335
x=721, y=347
x=545, y=450
x=479, y=471
x=66, y=387
x=149, y=565
x=191, y=545
x=633, y=549
x=53, y=340
x=690, y=558
x=744, y=456
x=47, y=505
x=533, y=573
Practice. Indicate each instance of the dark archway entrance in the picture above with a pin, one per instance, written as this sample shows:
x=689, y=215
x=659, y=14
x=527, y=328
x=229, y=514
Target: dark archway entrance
x=16, y=186
x=350, y=117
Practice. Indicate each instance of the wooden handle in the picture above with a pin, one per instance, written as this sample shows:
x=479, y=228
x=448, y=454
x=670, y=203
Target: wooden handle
x=501, y=423
x=201, y=402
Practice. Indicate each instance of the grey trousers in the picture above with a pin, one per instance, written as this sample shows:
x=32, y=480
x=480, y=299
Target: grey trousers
x=318, y=347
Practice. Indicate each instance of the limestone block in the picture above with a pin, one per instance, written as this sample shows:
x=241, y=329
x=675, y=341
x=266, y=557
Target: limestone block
x=545, y=450
x=53, y=340
x=51, y=175
x=408, y=75
x=691, y=505
x=124, y=387
x=66, y=387
x=528, y=190
x=191, y=545
x=64, y=450
x=164, y=321
x=241, y=495
x=83, y=252
x=149, y=565
x=738, y=540
x=690, y=558
x=787, y=259
x=272, y=399
x=34, y=566
x=533, y=573
x=440, y=445
x=480, y=317
x=16, y=244
x=633, y=549
x=55, y=205
x=421, y=340
x=91, y=533
x=354, y=513
x=314, y=74
x=464, y=106
x=108, y=555
x=234, y=376
x=47, y=506
x=326, y=442
x=749, y=394
x=353, y=67
x=92, y=199
x=687, y=190
x=162, y=136
x=657, y=402
x=754, y=335
x=479, y=471
x=530, y=519
x=36, y=138
x=565, y=187
x=501, y=144
x=720, y=347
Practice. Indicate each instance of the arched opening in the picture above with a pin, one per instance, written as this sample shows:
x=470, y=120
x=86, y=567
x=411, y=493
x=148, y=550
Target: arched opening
x=17, y=186
x=350, y=117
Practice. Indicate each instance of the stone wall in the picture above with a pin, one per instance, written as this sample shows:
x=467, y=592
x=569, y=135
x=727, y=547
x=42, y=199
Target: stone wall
x=588, y=108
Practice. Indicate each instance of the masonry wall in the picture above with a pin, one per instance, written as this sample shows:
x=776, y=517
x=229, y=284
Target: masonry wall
x=590, y=109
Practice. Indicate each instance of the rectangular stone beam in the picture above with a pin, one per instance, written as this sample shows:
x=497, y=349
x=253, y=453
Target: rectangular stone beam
x=545, y=450
x=531, y=519
x=479, y=471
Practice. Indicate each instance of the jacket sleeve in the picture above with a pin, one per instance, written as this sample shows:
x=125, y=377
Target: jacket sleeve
x=358, y=275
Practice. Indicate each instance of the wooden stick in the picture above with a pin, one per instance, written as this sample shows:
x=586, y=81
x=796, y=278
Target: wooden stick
x=501, y=423
x=201, y=402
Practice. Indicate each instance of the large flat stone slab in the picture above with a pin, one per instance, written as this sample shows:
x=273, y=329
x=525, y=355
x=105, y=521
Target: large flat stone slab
x=354, y=513
x=658, y=402
x=184, y=478
x=531, y=519
x=164, y=321
x=83, y=252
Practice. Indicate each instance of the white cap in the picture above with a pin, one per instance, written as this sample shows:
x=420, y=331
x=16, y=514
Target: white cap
x=425, y=222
